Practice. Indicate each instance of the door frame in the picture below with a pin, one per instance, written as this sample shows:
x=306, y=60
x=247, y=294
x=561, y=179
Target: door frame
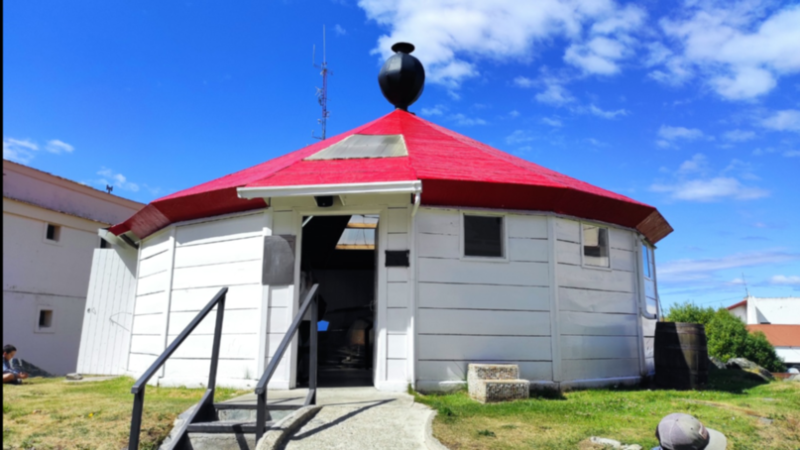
x=380, y=329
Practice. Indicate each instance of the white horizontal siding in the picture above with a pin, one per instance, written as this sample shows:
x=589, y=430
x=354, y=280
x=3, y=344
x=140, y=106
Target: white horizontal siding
x=483, y=322
x=483, y=296
x=397, y=294
x=151, y=324
x=585, y=300
x=523, y=226
x=157, y=264
x=238, y=297
x=623, y=260
x=397, y=346
x=602, y=280
x=231, y=274
x=438, y=246
x=226, y=229
x=597, y=324
x=397, y=320
x=480, y=272
x=396, y=369
x=476, y=348
x=240, y=321
x=568, y=253
x=197, y=369
x=241, y=346
x=621, y=239
x=152, y=284
x=150, y=304
x=438, y=222
x=599, y=347
x=568, y=230
x=457, y=370
x=247, y=249
x=397, y=220
x=599, y=369
x=154, y=245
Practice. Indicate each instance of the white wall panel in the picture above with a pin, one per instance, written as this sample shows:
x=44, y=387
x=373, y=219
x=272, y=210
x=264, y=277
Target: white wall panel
x=217, y=275
x=528, y=250
x=568, y=230
x=621, y=239
x=197, y=369
x=568, y=253
x=457, y=271
x=397, y=294
x=279, y=319
x=483, y=296
x=148, y=324
x=397, y=274
x=521, y=226
x=623, y=260
x=457, y=370
x=605, y=280
x=598, y=347
x=150, y=304
x=493, y=348
x=438, y=246
x=152, y=284
x=147, y=345
x=283, y=223
x=281, y=296
x=138, y=363
x=648, y=327
x=240, y=321
x=238, y=297
x=156, y=264
x=438, y=221
x=397, y=241
x=483, y=322
x=220, y=252
x=585, y=300
x=232, y=346
x=397, y=346
x=596, y=324
x=153, y=245
x=396, y=370
x=221, y=230
x=398, y=220
x=582, y=369
x=397, y=320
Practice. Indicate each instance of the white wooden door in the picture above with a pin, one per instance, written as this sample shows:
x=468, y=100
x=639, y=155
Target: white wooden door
x=108, y=317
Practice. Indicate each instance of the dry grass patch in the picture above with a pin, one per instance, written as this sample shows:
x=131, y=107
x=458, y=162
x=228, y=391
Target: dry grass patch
x=51, y=414
x=752, y=414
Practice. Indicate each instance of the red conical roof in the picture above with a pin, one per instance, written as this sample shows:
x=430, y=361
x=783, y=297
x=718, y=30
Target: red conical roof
x=454, y=169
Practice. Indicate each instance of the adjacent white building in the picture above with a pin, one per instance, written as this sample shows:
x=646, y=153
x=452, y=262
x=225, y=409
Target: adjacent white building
x=50, y=227
x=778, y=318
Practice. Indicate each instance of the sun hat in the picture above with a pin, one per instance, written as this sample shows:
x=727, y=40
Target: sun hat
x=684, y=432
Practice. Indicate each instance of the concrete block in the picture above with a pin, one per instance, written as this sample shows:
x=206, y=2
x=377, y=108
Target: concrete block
x=492, y=372
x=489, y=391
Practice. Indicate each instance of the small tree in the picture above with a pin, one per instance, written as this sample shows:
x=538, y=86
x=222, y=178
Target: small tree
x=727, y=335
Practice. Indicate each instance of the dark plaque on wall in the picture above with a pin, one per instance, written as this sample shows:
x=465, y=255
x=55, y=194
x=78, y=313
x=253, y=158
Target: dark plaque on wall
x=278, y=260
x=397, y=258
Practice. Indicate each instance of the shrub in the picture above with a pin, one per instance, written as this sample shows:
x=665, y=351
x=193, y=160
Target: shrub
x=727, y=335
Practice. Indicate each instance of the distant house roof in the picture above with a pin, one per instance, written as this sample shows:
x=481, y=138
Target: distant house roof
x=741, y=303
x=779, y=335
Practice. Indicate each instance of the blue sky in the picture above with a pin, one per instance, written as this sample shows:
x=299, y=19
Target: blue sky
x=692, y=107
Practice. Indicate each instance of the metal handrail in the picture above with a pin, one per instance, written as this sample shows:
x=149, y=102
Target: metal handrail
x=138, y=388
x=261, y=388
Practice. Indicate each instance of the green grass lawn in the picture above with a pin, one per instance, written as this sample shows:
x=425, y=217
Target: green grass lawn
x=752, y=414
x=52, y=414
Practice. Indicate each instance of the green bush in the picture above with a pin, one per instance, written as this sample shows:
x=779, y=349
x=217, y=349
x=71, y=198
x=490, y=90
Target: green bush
x=727, y=335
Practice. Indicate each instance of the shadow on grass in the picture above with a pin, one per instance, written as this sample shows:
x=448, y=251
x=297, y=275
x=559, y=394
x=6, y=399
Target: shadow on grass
x=733, y=381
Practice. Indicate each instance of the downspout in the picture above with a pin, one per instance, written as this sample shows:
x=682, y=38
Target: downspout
x=417, y=201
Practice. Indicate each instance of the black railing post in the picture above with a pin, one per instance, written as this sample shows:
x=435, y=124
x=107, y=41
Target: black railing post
x=312, y=364
x=212, y=374
x=136, y=419
x=261, y=414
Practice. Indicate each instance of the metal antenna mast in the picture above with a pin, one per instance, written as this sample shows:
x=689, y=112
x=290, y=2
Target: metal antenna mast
x=322, y=93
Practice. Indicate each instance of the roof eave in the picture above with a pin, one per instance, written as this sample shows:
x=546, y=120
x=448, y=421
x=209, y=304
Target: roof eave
x=393, y=187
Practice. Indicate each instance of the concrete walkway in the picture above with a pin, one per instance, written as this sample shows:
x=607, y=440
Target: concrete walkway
x=358, y=418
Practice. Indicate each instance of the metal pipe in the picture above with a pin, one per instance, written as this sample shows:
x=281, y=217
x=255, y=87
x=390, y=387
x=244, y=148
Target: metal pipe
x=261, y=414
x=417, y=201
x=212, y=374
x=136, y=419
x=312, y=364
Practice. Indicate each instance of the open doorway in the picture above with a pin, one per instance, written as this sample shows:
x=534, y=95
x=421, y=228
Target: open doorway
x=339, y=253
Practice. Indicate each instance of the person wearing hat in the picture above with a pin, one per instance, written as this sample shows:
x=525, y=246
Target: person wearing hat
x=684, y=432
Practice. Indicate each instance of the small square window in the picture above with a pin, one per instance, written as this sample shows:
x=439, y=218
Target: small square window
x=483, y=236
x=595, y=246
x=53, y=233
x=45, y=320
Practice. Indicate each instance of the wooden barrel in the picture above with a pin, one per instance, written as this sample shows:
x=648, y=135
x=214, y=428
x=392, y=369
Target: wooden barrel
x=681, y=355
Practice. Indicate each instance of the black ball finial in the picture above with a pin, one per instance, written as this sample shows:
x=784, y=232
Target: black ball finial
x=402, y=77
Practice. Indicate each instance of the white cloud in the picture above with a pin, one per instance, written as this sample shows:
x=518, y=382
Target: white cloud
x=453, y=36
x=117, y=180
x=19, y=150
x=514, y=114
x=792, y=154
x=674, y=133
x=56, y=146
x=524, y=82
x=437, y=110
x=339, y=30
x=594, y=110
x=519, y=137
x=693, y=181
x=683, y=270
x=461, y=119
x=554, y=93
x=791, y=280
x=786, y=120
x=552, y=122
x=738, y=135
x=740, y=49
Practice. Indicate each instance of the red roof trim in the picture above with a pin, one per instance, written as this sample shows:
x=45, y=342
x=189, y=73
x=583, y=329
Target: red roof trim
x=741, y=303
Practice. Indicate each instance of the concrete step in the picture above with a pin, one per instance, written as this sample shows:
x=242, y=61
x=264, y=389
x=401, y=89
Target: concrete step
x=492, y=372
x=490, y=391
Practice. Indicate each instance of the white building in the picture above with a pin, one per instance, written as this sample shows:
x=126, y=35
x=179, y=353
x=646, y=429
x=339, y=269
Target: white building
x=778, y=318
x=475, y=256
x=49, y=235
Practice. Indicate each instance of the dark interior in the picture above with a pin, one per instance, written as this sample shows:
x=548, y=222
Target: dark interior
x=346, y=294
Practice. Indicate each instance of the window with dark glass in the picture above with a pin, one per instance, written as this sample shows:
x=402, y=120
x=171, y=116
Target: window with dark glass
x=104, y=244
x=595, y=246
x=53, y=232
x=483, y=236
x=647, y=261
